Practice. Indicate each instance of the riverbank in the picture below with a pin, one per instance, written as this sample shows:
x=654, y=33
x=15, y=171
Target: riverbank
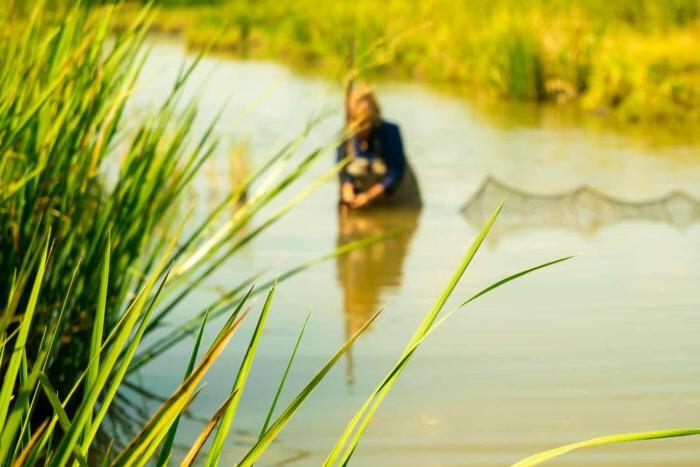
x=631, y=63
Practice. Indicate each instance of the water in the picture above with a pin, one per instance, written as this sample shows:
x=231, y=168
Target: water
x=605, y=343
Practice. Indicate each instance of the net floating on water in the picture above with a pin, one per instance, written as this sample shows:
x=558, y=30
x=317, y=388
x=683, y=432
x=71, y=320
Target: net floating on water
x=584, y=209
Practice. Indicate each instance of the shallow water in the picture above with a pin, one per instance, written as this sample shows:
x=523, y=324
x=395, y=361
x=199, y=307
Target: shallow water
x=605, y=343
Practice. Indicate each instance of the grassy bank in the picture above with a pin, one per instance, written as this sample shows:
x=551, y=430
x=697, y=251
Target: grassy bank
x=634, y=60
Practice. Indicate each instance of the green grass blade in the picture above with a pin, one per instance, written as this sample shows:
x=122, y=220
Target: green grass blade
x=239, y=385
x=395, y=371
x=29, y=449
x=603, y=440
x=284, y=377
x=196, y=447
x=171, y=408
x=230, y=298
x=116, y=377
x=512, y=277
x=55, y=402
x=131, y=317
x=170, y=438
x=372, y=403
x=257, y=450
x=18, y=354
x=59, y=411
x=93, y=368
x=162, y=432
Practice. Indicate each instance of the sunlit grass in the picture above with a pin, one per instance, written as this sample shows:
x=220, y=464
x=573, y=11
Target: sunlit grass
x=91, y=267
x=633, y=60
x=545, y=456
x=61, y=438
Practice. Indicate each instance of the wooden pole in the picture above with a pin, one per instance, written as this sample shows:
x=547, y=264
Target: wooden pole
x=350, y=79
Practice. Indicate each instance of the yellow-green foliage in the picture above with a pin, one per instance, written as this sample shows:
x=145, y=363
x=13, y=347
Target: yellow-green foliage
x=637, y=58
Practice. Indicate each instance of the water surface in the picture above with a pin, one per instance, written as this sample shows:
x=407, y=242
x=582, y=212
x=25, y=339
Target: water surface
x=605, y=343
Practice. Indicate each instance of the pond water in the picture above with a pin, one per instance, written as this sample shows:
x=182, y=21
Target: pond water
x=605, y=343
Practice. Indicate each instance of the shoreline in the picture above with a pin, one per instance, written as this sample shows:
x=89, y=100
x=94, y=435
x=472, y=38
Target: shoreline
x=624, y=75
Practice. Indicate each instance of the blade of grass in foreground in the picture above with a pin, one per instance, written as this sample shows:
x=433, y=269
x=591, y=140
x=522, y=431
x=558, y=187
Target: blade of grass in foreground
x=603, y=440
x=284, y=376
x=46, y=350
x=175, y=403
x=286, y=415
x=55, y=402
x=192, y=454
x=171, y=408
x=230, y=298
x=239, y=384
x=18, y=354
x=372, y=403
x=395, y=371
x=164, y=456
x=98, y=325
x=105, y=377
x=118, y=375
x=31, y=445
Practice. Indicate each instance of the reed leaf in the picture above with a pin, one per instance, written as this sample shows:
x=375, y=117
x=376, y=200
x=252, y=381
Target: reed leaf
x=364, y=414
x=97, y=328
x=164, y=454
x=8, y=431
x=283, y=379
x=544, y=456
x=239, y=384
x=169, y=410
x=202, y=438
x=264, y=441
x=23, y=457
x=231, y=298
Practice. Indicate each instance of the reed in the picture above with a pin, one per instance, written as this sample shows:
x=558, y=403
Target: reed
x=71, y=165
x=60, y=438
x=631, y=60
x=94, y=263
x=88, y=207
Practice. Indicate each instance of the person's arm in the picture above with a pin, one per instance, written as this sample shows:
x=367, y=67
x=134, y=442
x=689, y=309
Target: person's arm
x=366, y=197
x=394, y=158
x=347, y=190
x=347, y=193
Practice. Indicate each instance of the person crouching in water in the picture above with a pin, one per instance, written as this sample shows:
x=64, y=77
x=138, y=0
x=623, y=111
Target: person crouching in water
x=377, y=172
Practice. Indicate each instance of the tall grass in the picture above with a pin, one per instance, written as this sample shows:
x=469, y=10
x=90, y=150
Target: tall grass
x=64, y=84
x=59, y=438
x=634, y=60
x=91, y=266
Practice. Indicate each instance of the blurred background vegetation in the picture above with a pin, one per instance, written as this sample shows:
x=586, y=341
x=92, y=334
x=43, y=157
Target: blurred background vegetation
x=635, y=61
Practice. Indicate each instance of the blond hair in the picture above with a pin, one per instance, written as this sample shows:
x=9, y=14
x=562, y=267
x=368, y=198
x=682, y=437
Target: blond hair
x=363, y=92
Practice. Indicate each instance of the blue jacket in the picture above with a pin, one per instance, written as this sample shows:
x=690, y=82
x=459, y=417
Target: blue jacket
x=385, y=142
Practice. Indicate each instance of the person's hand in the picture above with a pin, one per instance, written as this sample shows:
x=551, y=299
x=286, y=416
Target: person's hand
x=347, y=193
x=366, y=197
x=360, y=200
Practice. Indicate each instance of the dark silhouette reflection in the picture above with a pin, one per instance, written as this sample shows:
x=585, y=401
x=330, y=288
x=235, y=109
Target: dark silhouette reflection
x=364, y=273
x=584, y=209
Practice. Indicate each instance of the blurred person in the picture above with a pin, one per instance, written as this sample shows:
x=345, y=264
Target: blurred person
x=377, y=171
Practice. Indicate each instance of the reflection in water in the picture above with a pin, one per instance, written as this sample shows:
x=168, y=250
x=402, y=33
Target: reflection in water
x=364, y=273
x=583, y=209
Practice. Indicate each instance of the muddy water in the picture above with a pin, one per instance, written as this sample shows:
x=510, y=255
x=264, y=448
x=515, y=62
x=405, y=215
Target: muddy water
x=605, y=343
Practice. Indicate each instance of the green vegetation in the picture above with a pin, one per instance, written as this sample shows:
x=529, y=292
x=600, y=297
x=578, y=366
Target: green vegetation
x=94, y=256
x=59, y=438
x=633, y=60
x=71, y=168
x=544, y=456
